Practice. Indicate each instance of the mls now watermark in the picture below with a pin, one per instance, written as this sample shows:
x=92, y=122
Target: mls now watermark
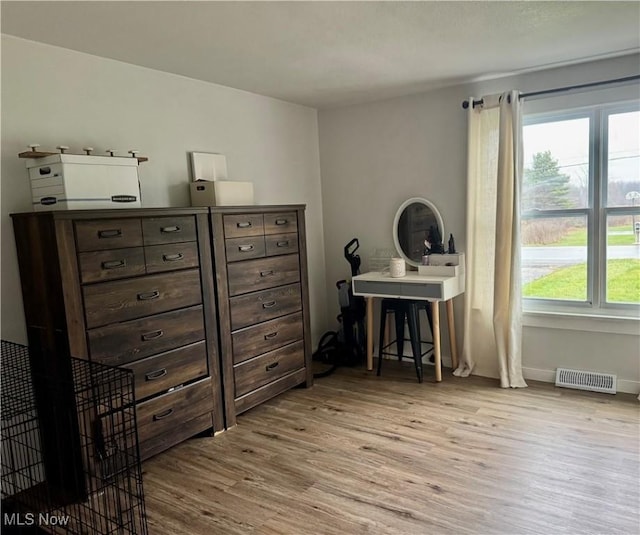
x=35, y=519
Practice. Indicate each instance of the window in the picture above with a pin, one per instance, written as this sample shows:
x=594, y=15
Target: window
x=581, y=210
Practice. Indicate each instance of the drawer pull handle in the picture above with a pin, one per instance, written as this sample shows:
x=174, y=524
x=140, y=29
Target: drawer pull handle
x=281, y=222
x=244, y=224
x=44, y=170
x=271, y=366
x=245, y=248
x=154, y=335
x=266, y=273
x=269, y=304
x=282, y=244
x=151, y=376
x=169, y=230
x=270, y=336
x=162, y=415
x=172, y=257
x=148, y=296
x=114, y=264
x=110, y=233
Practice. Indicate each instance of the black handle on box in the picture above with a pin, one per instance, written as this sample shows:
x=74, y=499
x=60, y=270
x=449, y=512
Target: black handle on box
x=271, y=366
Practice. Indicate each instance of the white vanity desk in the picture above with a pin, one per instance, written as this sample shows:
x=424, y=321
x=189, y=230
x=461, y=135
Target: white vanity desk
x=431, y=288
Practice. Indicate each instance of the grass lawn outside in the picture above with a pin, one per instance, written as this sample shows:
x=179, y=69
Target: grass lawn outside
x=570, y=283
x=579, y=237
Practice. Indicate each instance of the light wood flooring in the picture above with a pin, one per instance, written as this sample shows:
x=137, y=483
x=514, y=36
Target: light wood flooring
x=360, y=454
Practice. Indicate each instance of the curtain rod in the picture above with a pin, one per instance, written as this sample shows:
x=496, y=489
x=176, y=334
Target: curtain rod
x=465, y=104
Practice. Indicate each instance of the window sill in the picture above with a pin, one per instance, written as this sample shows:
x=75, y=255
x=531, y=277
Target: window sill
x=572, y=321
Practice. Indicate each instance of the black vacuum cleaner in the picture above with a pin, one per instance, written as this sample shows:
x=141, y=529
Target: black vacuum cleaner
x=345, y=347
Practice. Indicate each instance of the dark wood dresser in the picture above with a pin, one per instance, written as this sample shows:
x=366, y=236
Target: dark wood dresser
x=263, y=302
x=131, y=288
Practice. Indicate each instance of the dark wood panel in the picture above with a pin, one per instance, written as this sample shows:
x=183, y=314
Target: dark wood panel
x=306, y=307
x=179, y=433
x=245, y=248
x=126, y=342
x=259, y=371
x=210, y=310
x=224, y=317
x=279, y=244
x=160, y=372
x=238, y=226
x=162, y=413
x=103, y=234
x=97, y=266
x=108, y=302
x=171, y=257
x=260, y=395
x=262, y=306
x=252, y=341
x=279, y=223
x=171, y=229
x=263, y=273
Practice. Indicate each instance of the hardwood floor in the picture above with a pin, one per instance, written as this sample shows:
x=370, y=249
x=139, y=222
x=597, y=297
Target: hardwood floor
x=360, y=454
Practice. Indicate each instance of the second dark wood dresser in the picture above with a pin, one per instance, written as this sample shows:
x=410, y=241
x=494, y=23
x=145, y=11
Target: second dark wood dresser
x=263, y=302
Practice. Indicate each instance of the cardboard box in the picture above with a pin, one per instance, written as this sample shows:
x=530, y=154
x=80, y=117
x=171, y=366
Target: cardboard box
x=221, y=193
x=72, y=181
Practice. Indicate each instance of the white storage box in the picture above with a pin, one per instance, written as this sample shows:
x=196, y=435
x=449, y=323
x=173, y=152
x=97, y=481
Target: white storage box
x=221, y=193
x=444, y=265
x=71, y=181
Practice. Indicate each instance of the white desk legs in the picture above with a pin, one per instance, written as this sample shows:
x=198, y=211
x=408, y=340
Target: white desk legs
x=437, y=358
x=369, y=333
x=452, y=334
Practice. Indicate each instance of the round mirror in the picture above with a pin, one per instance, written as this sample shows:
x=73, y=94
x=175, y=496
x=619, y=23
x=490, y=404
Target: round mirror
x=417, y=225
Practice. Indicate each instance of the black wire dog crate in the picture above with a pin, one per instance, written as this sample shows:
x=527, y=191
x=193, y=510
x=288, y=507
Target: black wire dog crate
x=70, y=459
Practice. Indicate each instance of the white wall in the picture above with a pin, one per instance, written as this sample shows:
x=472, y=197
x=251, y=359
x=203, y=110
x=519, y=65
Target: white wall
x=374, y=156
x=54, y=96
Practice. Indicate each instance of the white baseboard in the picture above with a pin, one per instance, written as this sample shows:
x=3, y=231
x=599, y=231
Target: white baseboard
x=549, y=376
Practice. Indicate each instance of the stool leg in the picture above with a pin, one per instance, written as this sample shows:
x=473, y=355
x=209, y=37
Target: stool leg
x=427, y=309
x=414, y=334
x=383, y=322
x=399, y=315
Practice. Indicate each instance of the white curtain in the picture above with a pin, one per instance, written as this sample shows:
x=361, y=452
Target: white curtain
x=492, y=311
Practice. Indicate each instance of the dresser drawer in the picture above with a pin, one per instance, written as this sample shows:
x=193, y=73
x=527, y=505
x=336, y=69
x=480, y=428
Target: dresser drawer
x=157, y=230
x=159, y=373
x=263, y=273
x=244, y=248
x=108, y=234
x=252, y=341
x=171, y=257
x=279, y=244
x=261, y=370
x=161, y=414
x=111, y=264
x=266, y=305
x=132, y=340
x=280, y=223
x=108, y=302
x=239, y=226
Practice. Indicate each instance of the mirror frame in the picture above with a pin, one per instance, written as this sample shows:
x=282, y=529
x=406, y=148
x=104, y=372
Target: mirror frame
x=396, y=220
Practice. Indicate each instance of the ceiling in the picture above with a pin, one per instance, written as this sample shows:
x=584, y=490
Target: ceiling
x=325, y=54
